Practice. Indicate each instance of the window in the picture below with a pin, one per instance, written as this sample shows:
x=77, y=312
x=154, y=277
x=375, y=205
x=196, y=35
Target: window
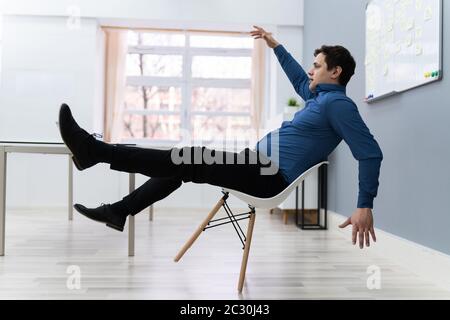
x=187, y=86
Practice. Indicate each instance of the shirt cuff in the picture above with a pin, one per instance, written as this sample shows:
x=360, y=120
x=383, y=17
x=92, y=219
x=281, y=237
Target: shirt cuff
x=365, y=202
x=279, y=48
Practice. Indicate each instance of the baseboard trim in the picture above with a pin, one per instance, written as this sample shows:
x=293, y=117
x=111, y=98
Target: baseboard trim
x=425, y=262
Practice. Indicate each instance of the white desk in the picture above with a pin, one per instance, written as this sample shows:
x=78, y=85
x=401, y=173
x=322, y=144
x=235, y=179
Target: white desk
x=50, y=148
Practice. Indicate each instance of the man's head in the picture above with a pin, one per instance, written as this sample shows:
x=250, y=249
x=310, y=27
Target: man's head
x=332, y=64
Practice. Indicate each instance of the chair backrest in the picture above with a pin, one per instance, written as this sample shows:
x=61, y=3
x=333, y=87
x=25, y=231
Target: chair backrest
x=272, y=202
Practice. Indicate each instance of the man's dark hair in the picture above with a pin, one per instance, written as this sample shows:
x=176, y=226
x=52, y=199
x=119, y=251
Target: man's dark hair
x=338, y=56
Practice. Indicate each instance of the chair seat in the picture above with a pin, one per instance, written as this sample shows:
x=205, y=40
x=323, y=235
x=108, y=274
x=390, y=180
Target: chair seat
x=272, y=202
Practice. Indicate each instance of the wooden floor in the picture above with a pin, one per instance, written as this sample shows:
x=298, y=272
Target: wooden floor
x=284, y=263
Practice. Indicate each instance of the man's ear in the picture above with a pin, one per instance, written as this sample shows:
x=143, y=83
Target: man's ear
x=336, y=72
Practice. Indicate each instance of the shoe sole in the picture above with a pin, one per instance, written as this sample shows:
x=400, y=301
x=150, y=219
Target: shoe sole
x=77, y=164
x=112, y=226
x=75, y=161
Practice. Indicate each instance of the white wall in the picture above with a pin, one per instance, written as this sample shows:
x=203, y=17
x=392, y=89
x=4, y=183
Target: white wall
x=44, y=64
x=68, y=66
x=64, y=65
x=292, y=38
x=274, y=12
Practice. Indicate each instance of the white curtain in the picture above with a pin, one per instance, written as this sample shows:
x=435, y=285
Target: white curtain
x=258, y=80
x=115, y=80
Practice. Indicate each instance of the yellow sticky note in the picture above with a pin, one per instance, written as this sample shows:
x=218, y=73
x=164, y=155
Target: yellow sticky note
x=428, y=13
x=408, y=40
x=419, y=33
x=410, y=24
x=418, y=5
x=419, y=49
x=390, y=25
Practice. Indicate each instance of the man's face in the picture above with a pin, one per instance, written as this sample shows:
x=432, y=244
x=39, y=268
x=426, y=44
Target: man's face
x=319, y=74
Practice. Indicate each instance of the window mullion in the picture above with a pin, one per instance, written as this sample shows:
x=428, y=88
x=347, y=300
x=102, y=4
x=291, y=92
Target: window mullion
x=222, y=83
x=156, y=50
x=221, y=52
x=221, y=113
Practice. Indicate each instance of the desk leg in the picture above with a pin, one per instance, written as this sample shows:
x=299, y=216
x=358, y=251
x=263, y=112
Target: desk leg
x=150, y=216
x=70, y=196
x=132, y=185
x=2, y=199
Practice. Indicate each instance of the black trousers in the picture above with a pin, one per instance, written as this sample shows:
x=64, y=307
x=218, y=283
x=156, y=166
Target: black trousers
x=247, y=171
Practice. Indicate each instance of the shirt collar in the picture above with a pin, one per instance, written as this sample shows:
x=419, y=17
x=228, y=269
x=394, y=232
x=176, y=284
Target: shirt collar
x=329, y=87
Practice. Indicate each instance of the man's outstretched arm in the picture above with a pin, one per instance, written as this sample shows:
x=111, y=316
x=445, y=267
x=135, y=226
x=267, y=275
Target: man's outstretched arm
x=346, y=121
x=294, y=71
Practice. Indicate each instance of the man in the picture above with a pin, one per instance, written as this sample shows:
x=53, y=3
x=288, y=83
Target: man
x=328, y=117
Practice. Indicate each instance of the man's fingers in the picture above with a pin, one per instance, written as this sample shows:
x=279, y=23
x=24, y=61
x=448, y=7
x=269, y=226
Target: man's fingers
x=354, y=233
x=361, y=238
x=257, y=34
x=262, y=34
x=372, y=232
x=366, y=235
x=346, y=223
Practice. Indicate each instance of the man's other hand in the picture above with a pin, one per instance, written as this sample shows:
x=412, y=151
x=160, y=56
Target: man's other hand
x=362, y=222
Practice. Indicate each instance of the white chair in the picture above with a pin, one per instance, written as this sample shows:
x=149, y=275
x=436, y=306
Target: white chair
x=253, y=202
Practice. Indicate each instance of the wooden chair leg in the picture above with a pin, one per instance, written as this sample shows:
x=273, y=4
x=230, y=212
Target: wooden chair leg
x=248, y=242
x=199, y=230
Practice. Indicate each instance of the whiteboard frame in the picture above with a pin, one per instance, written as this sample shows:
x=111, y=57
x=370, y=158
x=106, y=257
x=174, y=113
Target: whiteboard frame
x=441, y=58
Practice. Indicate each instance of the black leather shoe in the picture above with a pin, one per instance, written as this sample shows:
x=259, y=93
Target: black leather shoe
x=103, y=214
x=76, y=139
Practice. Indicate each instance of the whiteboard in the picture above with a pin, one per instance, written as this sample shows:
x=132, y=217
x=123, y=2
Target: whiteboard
x=403, y=46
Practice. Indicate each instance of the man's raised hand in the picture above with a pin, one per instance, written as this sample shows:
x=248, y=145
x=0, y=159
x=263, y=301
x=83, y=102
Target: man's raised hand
x=260, y=33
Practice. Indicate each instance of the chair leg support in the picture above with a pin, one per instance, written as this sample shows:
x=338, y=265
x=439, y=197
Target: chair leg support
x=234, y=222
x=200, y=229
x=248, y=242
x=233, y=218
